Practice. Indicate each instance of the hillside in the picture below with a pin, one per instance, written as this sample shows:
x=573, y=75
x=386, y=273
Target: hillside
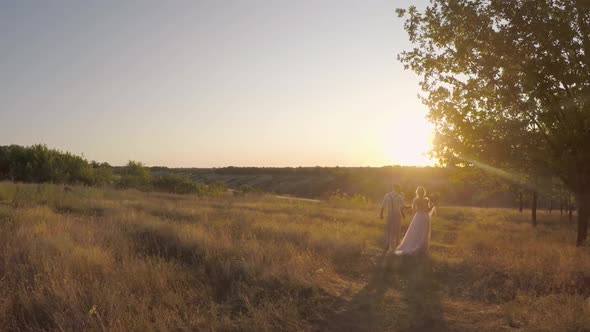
x=371, y=182
x=103, y=259
x=452, y=186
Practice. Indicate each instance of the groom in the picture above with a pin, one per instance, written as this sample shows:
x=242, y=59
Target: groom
x=393, y=202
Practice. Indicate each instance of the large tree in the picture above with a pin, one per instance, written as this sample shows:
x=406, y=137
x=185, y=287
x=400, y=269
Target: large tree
x=507, y=84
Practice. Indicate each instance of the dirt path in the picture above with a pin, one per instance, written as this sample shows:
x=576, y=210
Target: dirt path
x=298, y=199
x=412, y=294
x=401, y=294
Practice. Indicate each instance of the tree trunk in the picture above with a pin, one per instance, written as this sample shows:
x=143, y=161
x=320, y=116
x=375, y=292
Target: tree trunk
x=582, y=8
x=534, y=209
x=550, y=206
x=561, y=206
x=583, y=200
x=520, y=202
x=570, y=212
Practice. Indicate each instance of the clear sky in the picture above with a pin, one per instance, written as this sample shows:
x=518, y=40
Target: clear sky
x=212, y=83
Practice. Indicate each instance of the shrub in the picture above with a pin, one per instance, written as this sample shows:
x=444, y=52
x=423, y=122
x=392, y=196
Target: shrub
x=40, y=164
x=177, y=184
x=247, y=188
x=343, y=198
x=102, y=174
x=215, y=188
x=135, y=175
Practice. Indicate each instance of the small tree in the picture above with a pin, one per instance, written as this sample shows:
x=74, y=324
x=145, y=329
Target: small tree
x=177, y=184
x=135, y=175
x=102, y=173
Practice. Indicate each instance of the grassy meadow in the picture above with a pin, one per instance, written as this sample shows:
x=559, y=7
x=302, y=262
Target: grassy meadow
x=102, y=259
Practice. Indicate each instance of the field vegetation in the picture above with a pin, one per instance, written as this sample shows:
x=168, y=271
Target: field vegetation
x=40, y=164
x=455, y=186
x=82, y=258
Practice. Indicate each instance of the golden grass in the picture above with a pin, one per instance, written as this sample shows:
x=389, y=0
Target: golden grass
x=101, y=259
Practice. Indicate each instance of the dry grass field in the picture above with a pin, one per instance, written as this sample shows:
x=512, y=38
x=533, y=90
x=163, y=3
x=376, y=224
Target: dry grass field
x=102, y=259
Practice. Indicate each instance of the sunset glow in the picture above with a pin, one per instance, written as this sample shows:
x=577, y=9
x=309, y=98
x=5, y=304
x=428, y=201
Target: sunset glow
x=197, y=84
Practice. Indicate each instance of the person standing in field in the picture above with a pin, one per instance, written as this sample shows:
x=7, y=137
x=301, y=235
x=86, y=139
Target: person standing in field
x=393, y=202
x=417, y=238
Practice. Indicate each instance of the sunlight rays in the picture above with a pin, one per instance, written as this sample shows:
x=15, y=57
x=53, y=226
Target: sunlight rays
x=509, y=176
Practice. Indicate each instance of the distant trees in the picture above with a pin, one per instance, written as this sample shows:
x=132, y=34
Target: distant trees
x=38, y=163
x=507, y=85
x=103, y=173
x=177, y=184
x=339, y=197
x=135, y=175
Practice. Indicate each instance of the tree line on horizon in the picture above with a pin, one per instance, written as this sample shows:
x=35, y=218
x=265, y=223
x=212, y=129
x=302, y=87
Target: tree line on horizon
x=465, y=185
x=40, y=164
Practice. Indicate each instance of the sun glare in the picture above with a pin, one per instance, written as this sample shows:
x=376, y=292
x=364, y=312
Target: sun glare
x=408, y=143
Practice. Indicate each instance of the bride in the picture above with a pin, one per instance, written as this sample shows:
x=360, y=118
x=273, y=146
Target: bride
x=417, y=238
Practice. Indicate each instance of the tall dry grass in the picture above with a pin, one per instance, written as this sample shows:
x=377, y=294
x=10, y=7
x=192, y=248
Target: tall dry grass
x=102, y=259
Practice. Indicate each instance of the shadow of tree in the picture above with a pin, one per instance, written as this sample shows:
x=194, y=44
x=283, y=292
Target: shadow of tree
x=402, y=294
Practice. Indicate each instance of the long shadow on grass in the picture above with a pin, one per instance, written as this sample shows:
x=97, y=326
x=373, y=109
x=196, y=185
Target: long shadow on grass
x=401, y=295
x=228, y=278
x=346, y=256
x=93, y=211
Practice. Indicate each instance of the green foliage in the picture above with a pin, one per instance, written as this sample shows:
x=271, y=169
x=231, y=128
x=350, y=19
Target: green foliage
x=342, y=198
x=216, y=188
x=40, y=164
x=507, y=86
x=177, y=184
x=504, y=83
x=135, y=175
x=248, y=188
x=103, y=173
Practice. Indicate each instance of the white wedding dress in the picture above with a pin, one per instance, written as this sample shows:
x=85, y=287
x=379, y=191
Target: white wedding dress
x=417, y=238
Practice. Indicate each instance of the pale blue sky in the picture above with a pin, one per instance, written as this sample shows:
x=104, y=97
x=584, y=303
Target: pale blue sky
x=211, y=83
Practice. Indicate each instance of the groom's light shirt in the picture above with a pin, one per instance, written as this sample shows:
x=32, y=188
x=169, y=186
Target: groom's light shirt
x=393, y=202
